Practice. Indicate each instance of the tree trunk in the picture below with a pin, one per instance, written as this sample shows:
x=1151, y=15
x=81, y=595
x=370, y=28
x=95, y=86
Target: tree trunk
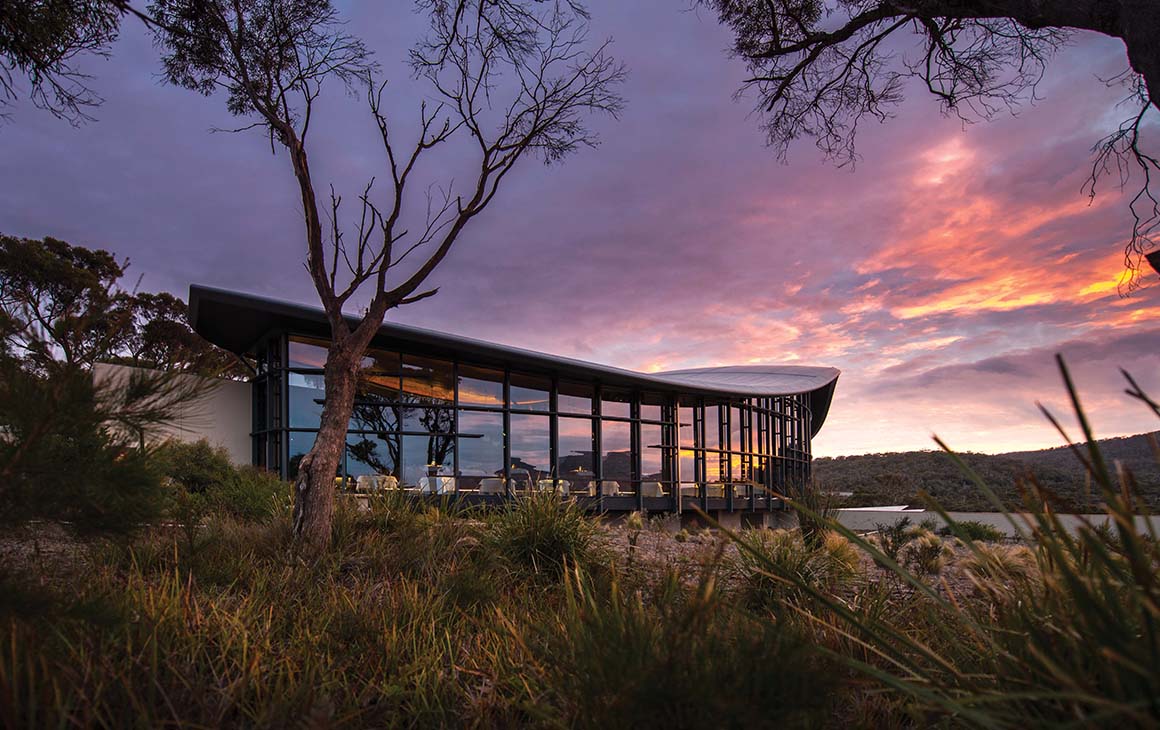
x=314, y=486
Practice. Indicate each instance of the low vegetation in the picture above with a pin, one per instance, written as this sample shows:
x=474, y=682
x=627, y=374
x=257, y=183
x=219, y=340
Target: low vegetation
x=903, y=478
x=426, y=615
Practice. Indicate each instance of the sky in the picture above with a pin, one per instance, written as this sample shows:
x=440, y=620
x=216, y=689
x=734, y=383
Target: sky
x=941, y=274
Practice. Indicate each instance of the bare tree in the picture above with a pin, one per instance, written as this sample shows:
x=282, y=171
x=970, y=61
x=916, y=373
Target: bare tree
x=820, y=67
x=513, y=77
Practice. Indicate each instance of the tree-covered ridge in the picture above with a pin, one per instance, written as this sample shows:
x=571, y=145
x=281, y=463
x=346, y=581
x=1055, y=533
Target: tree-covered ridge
x=898, y=478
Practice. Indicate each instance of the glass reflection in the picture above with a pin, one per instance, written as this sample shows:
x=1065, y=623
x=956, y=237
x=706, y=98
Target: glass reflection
x=307, y=352
x=685, y=415
x=712, y=467
x=480, y=387
x=371, y=455
x=687, y=465
x=529, y=393
x=428, y=420
x=574, y=398
x=651, y=454
x=616, y=456
x=576, y=462
x=736, y=419
x=615, y=403
x=306, y=396
x=427, y=381
x=530, y=444
x=300, y=444
x=480, y=447
x=425, y=457
x=378, y=386
x=712, y=427
x=650, y=406
x=377, y=416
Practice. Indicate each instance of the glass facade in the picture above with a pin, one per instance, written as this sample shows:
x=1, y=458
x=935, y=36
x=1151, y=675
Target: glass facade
x=446, y=426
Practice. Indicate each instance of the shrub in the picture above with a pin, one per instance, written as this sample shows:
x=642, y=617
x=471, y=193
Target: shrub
x=198, y=466
x=245, y=493
x=926, y=553
x=252, y=494
x=63, y=456
x=773, y=566
x=815, y=513
x=999, y=569
x=975, y=530
x=893, y=538
x=543, y=534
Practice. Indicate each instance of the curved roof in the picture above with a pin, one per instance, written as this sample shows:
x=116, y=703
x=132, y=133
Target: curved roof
x=236, y=322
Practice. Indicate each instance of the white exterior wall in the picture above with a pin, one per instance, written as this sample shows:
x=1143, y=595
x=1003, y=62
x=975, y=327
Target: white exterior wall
x=222, y=416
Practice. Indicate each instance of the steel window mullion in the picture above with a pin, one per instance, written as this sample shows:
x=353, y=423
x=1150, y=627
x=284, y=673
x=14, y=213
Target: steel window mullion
x=454, y=426
x=554, y=431
x=636, y=448
x=598, y=441
x=507, y=434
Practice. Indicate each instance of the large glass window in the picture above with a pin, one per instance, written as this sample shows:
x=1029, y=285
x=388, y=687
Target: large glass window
x=712, y=467
x=480, y=448
x=480, y=387
x=529, y=392
x=378, y=386
x=307, y=352
x=372, y=455
x=712, y=427
x=616, y=456
x=383, y=363
x=650, y=406
x=615, y=403
x=688, y=466
x=426, y=456
x=530, y=447
x=736, y=421
x=300, y=444
x=376, y=415
x=306, y=397
x=686, y=428
x=574, y=398
x=429, y=420
x=427, y=381
x=575, y=462
x=651, y=453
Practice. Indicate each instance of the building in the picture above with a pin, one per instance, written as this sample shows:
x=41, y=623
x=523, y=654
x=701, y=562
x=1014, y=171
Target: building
x=438, y=413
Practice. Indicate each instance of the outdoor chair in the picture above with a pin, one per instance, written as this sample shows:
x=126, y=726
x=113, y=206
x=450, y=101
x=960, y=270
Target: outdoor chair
x=652, y=489
x=547, y=485
x=491, y=485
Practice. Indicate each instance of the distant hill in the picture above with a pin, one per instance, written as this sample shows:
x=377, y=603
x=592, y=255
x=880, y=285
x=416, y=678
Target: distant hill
x=880, y=479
